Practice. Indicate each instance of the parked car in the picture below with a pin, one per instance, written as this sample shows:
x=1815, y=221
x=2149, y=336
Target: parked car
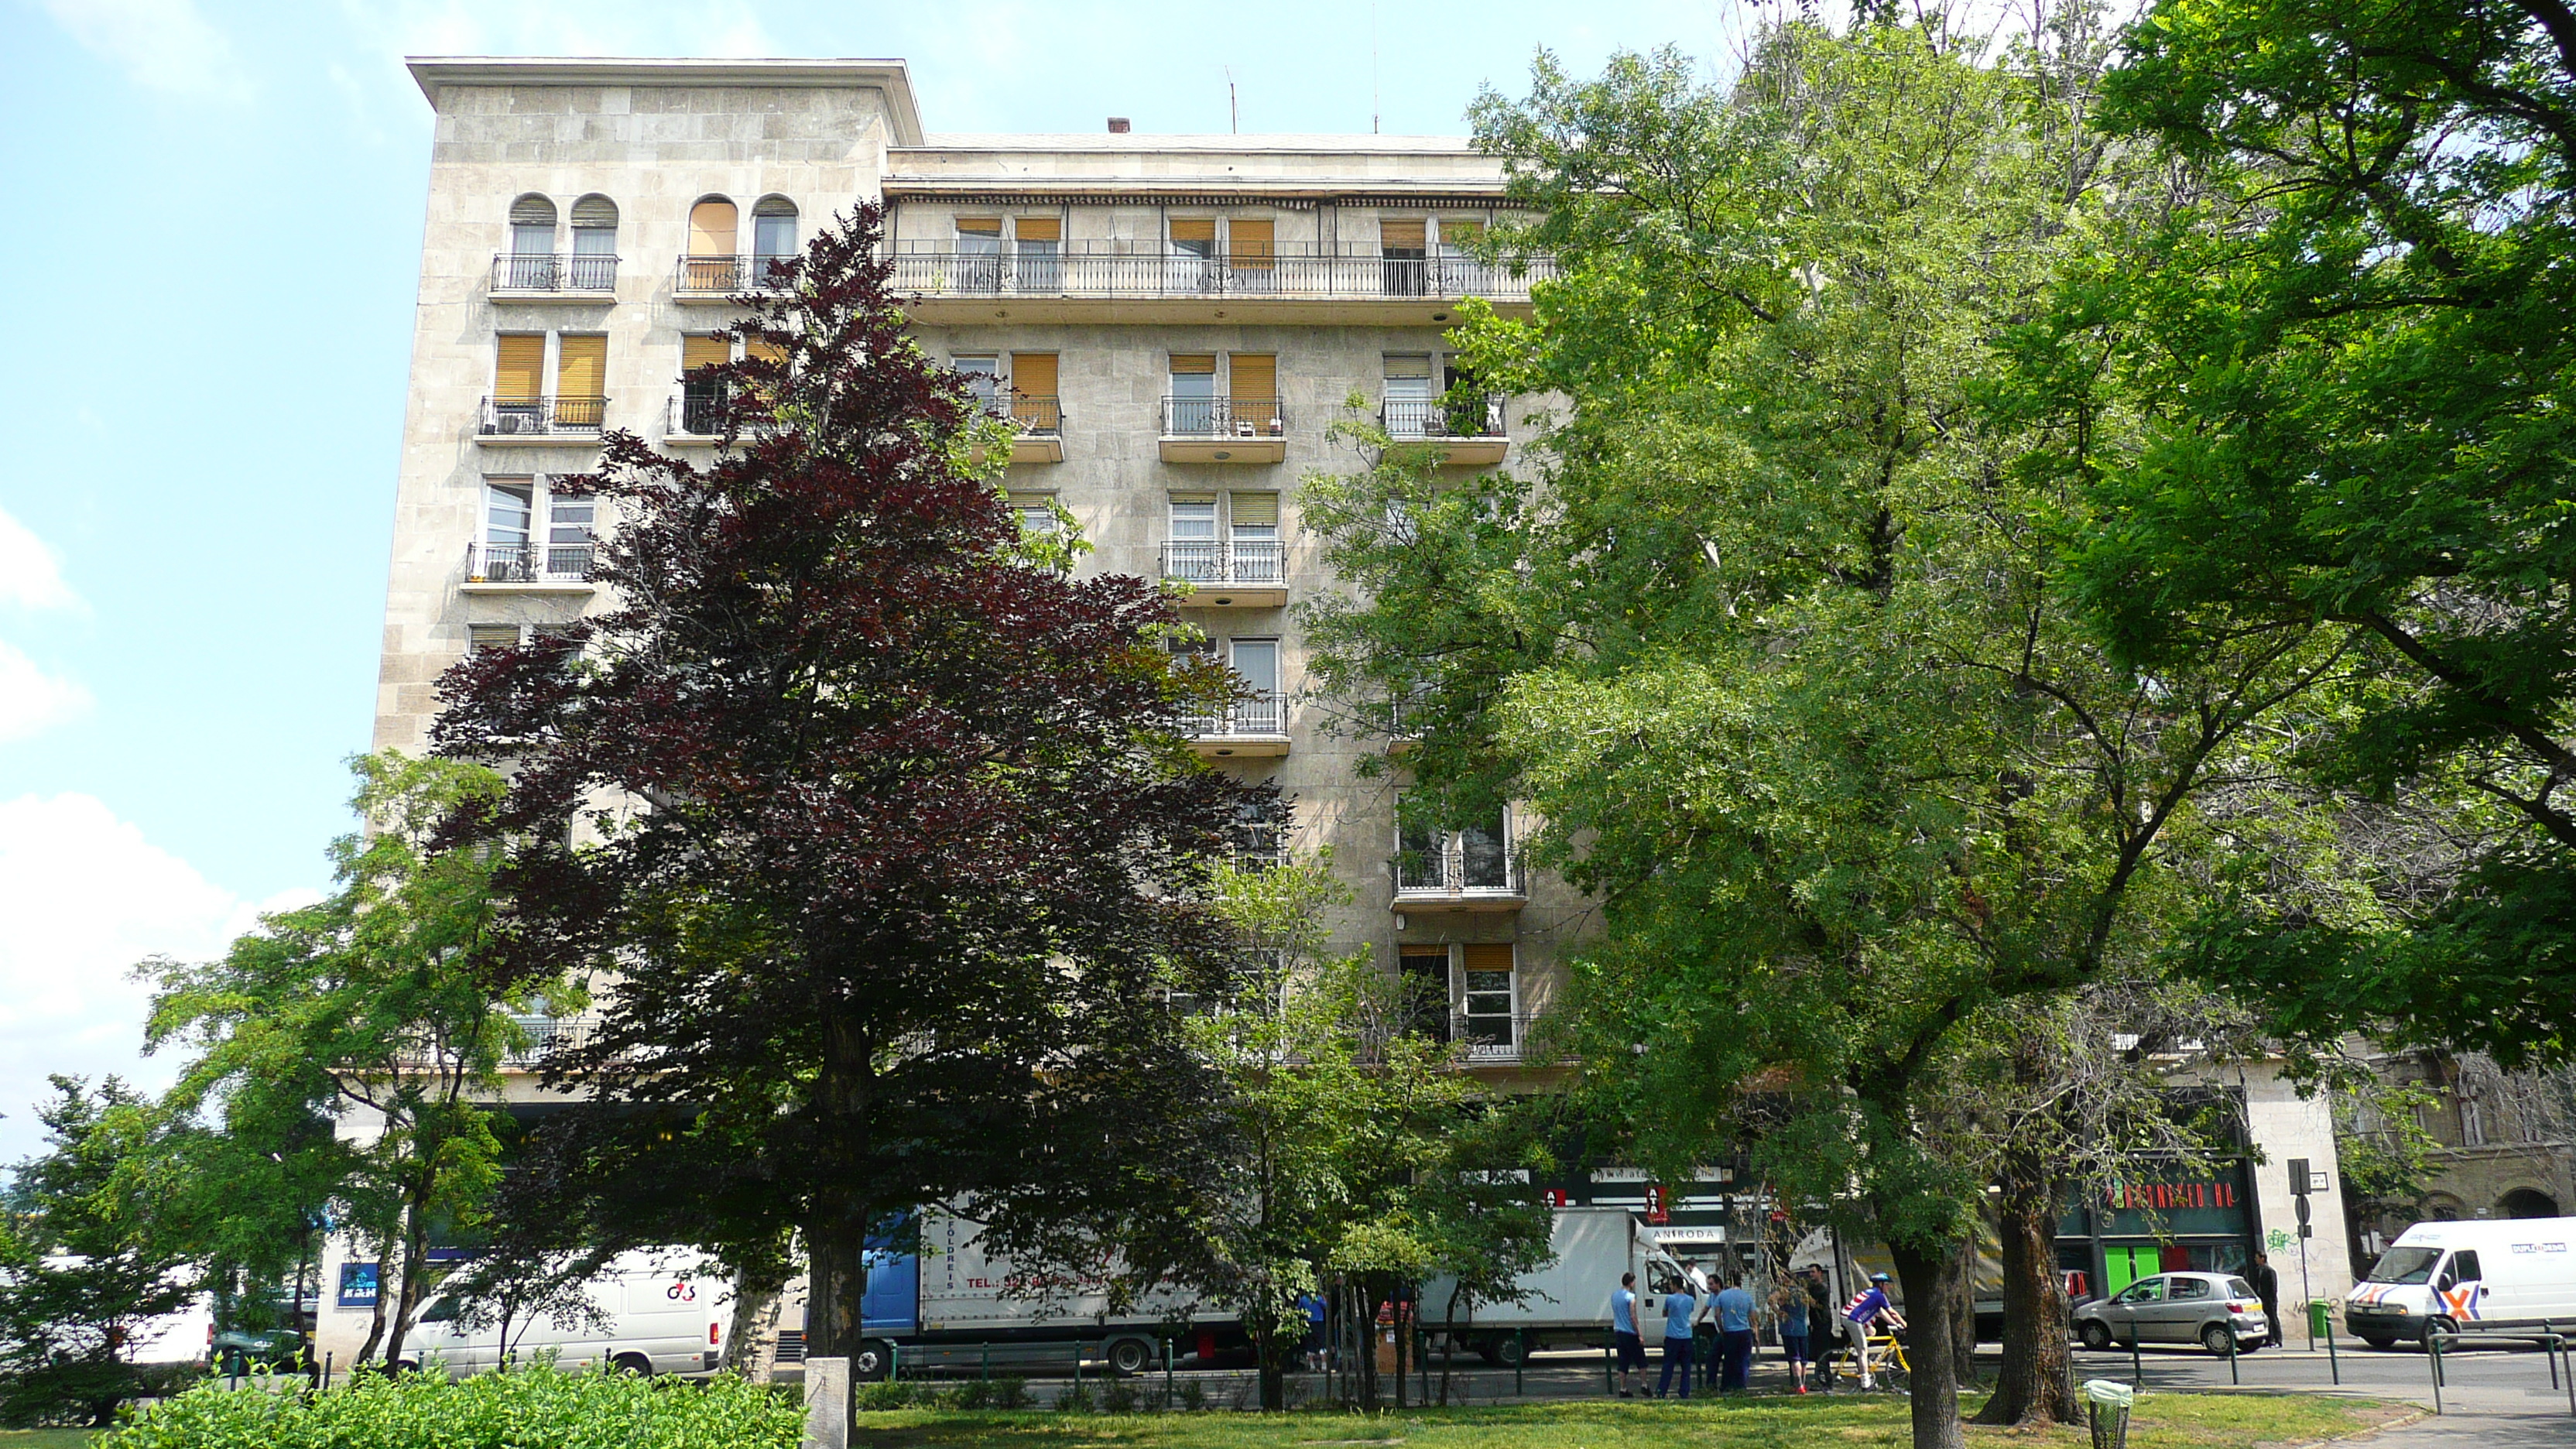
x=2500, y=1276
x=2215, y=1310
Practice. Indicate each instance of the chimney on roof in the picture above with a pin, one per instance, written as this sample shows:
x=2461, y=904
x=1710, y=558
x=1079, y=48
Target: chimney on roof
x=1118, y=125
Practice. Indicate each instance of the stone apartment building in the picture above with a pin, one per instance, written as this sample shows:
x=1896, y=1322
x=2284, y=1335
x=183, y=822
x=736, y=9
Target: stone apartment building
x=1173, y=323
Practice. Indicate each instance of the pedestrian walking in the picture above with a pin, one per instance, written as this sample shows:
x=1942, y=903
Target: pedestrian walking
x=1623, y=1334
x=1789, y=1310
x=1703, y=1321
x=1735, y=1334
x=1869, y=1308
x=1679, y=1304
x=1824, y=1325
x=2267, y=1286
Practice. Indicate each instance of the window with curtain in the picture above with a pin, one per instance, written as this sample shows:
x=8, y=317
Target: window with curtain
x=1256, y=663
x=714, y=227
x=773, y=228
x=979, y=253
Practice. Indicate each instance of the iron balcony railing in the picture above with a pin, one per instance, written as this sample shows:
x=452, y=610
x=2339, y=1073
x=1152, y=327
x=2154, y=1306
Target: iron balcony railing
x=1223, y=417
x=1038, y=417
x=1432, y=417
x=529, y=563
x=554, y=272
x=1494, y=1038
x=725, y=276
x=1467, y=865
x=1188, y=274
x=543, y=1034
x=1235, y=561
x=1262, y=714
x=543, y=417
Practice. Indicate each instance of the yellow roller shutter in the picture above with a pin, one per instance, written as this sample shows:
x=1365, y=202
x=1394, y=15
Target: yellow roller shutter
x=713, y=229
x=1399, y=236
x=1038, y=228
x=1201, y=232
x=765, y=350
x=1187, y=362
x=518, y=374
x=1461, y=233
x=1253, y=377
x=1033, y=374
x=697, y=352
x=1489, y=958
x=1256, y=510
x=979, y=226
x=1250, y=246
x=581, y=367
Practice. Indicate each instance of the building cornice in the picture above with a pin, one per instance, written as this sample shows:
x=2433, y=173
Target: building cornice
x=434, y=72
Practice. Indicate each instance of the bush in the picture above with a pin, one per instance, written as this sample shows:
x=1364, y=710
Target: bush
x=1009, y=1393
x=894, y=1394
x=531, y=1408
x=1075, y=1400
x=1118, y=1396
x=1193, y=1397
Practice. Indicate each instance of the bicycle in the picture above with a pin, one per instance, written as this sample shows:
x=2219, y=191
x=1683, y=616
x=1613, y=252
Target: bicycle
x=1887, y=1364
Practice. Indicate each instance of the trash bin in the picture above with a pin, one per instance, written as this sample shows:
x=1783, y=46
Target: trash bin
x=2107, y=1404
x=2320, y=1317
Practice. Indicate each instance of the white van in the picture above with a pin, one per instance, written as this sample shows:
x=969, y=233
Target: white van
x=2483, y=1277
x=661, y=1321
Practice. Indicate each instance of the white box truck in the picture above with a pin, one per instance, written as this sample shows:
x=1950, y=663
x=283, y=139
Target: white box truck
x=1568, y=1301
x=2478, y=1277
x=660, y=1321
x=951, y=1306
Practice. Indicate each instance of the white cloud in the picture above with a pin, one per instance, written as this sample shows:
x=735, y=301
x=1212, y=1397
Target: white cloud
x=31, y=575
x=163, y=45
x=32, y=701
x=85, y=897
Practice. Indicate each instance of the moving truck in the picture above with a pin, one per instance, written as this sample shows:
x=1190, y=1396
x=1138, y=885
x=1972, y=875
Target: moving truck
x=2482, y=1277
x=947, y=1307
x=1569, y=1300
x=660, y=1321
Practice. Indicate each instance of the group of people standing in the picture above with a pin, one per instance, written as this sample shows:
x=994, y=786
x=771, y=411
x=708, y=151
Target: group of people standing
x=1709, y=1321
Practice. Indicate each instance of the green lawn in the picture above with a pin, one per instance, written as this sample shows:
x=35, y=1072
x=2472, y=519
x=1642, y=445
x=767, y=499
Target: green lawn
x=44, y=1438
x=2162, y=1421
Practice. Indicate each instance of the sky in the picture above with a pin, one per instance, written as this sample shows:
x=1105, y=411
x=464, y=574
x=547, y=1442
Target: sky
x=213, y=247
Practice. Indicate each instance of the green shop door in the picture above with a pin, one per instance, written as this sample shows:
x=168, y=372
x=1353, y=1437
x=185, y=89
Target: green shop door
x=2124, y=1266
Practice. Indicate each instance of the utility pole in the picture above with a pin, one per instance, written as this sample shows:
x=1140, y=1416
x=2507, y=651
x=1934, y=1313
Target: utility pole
x=2299, y=1205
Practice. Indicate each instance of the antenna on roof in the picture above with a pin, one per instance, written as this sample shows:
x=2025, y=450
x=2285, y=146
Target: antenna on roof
x=1373, y=106
x=1233, y=108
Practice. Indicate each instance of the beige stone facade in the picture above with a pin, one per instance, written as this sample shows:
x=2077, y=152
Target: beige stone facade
x=1274, y=277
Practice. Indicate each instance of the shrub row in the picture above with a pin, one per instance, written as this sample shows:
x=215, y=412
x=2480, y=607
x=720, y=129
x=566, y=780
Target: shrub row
x=538, y=1407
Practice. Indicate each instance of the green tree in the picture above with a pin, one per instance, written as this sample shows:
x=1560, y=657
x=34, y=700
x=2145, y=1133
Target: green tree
x=86, y=1256
x=373, y=1008
x=2355, y=345
x=1772, y=639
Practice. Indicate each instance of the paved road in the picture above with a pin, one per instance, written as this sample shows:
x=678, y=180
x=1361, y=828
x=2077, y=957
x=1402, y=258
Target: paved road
x=2500, y=1396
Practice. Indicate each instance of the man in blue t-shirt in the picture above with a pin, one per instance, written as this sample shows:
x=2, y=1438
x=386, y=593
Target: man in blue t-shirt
x=1677, y=1337
x=1870, y=1307
x=1623, y=1332
x=1735, y=1336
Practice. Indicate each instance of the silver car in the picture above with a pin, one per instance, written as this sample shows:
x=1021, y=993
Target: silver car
x=2215, y=1310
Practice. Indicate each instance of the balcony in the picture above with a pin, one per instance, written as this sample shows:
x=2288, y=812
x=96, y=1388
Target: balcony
x=541, y=420
x=1458, y=432
x=716, y=281
x=1037, y=425
x=1253, y=728
x=1139, y=283
x=1224, y=430
x=1242, y=573
x=528, y=568
x=553, y=277
x=1491, y=1040
x=545, y=1034
x=1462, y=873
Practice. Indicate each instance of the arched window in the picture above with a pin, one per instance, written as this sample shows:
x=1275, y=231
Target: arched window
x=594, y=244
x=714, y=226
x=532, y=226
x=773, y=229
x=2527, y=1202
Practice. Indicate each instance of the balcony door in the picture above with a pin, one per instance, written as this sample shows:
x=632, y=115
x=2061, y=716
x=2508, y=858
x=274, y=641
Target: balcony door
x=1037, y=254
x=509, y=517
x=1252, y=394
x=1251, y=255
x=1485, y=854
x=532, y=244
x=1033, y=392
x=1400, y=248
x=1194, y=405
x=1194, y=552
x=979, y=254
x=1408, y=395
x=1253, y=548
x=1256, y=663
x=714, y=225
x=983, y=378
x=1190, y=264
x=1423, y=971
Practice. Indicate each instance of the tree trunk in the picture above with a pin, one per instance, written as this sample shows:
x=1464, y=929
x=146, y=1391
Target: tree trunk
x=415, y=1269
x=376, y=1321
x=755, y=1322
x=836, y=1279
x=1266, y=1351
x=2037, y=1381
x=1963, y=1317
x=1449, y=1331
x=1928, y=1274
x=1403, y=1340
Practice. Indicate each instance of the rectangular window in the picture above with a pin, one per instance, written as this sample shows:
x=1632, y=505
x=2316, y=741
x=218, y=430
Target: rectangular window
x=697, y=352
x=519, y=367
x=1193, y=553
x=1492, y=998
x=480, y=637
x=1036, y=512
x=1408, y=394
x=568, y=535
x=1254, y=544
x=1037, y=261
x=979, y=253
x=506, y=553
x=1460, y=271
x=1251, y=250
x=1190, y=266
x=983, y=376
x=1194, y=407
x=581, y=380
x=1256, y=663
x=1484, y=853
x=1194, y=237
x=1033, y=397
x=1252, y=393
